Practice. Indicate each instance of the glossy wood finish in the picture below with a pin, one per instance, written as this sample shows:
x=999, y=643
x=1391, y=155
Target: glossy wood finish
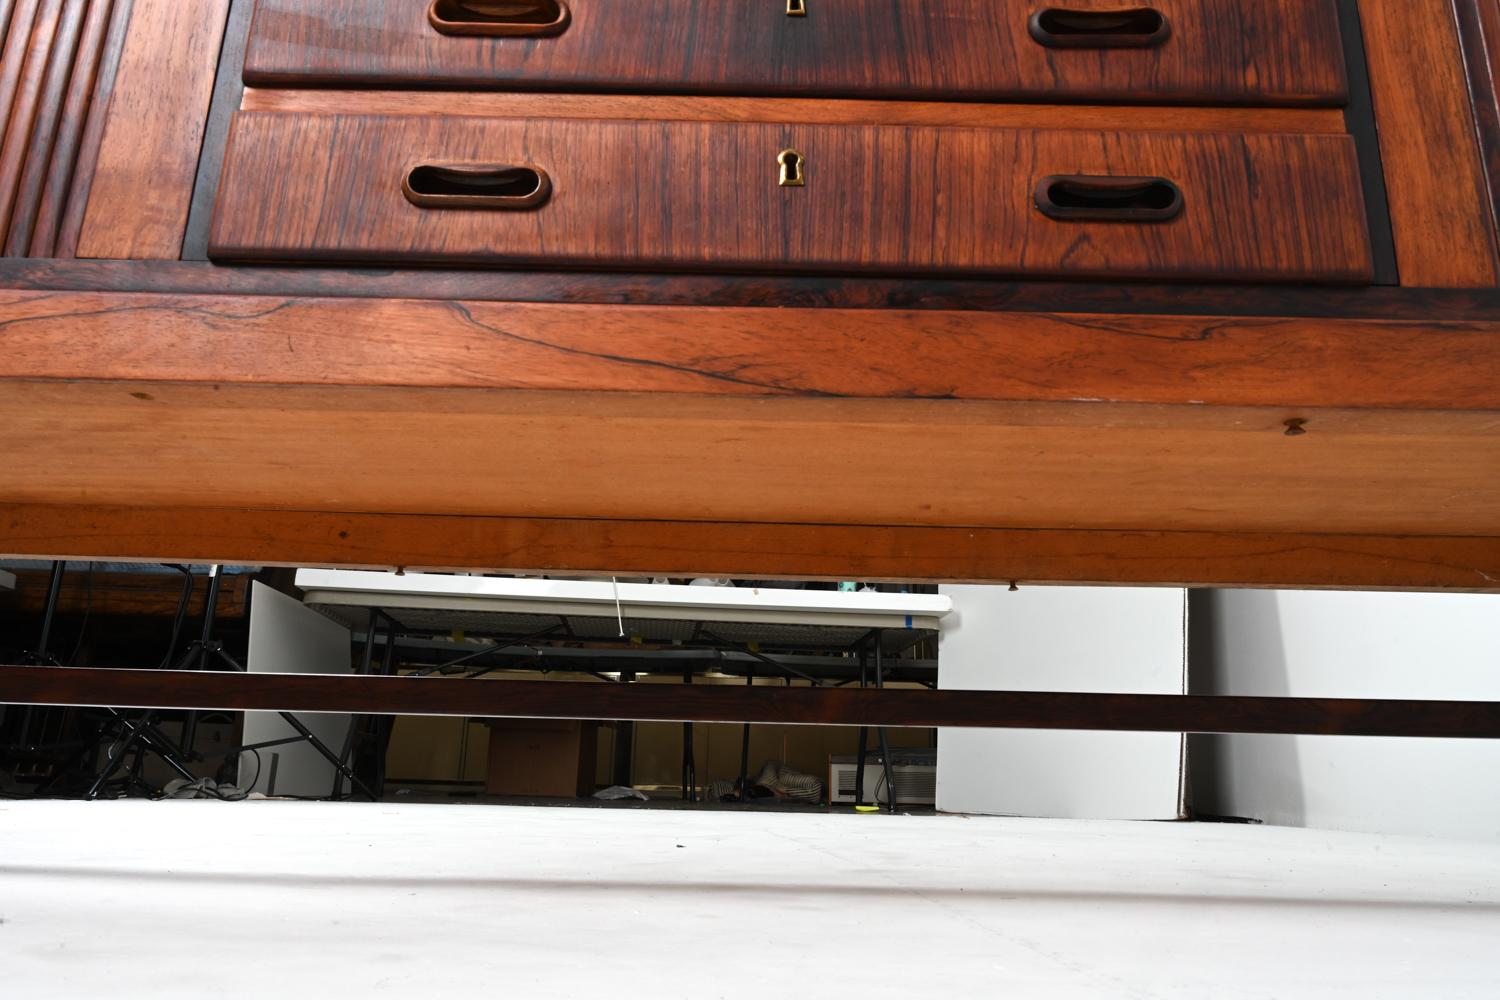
x=46, y=123
x=70, y=225
x=615, y=547
x=1479, y=34
x=790, y=351
x=229, y=88
x=1436, y=308
x=1220, y=51
x=1439, y=202
x=52, y=86
x=705, y=195
x=644, y=456
x=826, y=706
x=148, y=160
x=779, y=110
x=26, y=104
x=39, y=239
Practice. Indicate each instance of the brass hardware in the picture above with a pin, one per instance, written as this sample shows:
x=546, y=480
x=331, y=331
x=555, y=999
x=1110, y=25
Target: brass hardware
x=792, y=173
x=796, y=8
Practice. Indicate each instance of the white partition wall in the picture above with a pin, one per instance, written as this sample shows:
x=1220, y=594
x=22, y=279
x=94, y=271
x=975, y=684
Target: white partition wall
x=1353, y=645
x=286, y=637
x=1130, y=641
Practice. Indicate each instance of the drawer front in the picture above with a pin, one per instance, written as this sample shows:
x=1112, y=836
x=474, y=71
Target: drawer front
x=694, y=195
x=1167, y=51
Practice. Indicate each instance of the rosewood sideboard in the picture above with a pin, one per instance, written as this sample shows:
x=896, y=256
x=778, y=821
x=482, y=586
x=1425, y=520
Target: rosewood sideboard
x=1188, y=292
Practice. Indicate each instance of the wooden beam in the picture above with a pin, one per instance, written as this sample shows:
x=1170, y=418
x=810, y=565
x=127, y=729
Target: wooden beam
x=375, y=695
x=634, y=456
x=757, y=551
x=1285, y=361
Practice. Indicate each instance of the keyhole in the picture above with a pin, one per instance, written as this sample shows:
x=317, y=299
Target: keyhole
x=796, y=8
x=791, y=169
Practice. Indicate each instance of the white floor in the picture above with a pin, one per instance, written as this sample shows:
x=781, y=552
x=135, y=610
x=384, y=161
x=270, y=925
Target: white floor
x=277, y=899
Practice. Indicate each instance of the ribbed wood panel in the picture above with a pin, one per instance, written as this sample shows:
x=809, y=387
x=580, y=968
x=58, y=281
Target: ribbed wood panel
x=56, y=73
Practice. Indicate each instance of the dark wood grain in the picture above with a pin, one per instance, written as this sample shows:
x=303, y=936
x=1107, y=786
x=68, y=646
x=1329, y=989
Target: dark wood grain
x=26, y=105
x=717, y=703
x=1220, y=51
x=1436, y=308
x=613, y=547
x=228, y=89
x=705, y=195
x=1479, y=34
x=806, y=111
x=148, y=159
x=72, y=123
x=796, y=351
x=13, y=57
x=1439, y=202
x=70, y=224
x=46, y=128
x=6, y=8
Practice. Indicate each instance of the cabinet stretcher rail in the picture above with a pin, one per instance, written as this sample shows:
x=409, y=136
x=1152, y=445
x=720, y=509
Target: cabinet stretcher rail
x=376, y=695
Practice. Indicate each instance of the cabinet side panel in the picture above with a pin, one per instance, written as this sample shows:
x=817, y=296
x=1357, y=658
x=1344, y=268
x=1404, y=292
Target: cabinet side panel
x=1434, y=176
x=143, y=184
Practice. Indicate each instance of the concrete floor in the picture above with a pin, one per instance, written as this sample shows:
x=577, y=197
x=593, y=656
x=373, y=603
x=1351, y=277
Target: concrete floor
x=285, y=899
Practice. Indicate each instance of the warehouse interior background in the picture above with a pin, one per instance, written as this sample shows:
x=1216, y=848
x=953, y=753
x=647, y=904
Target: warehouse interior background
x=1130, y=640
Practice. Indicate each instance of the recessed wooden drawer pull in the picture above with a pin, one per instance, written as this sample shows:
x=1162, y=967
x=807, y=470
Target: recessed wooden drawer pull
x=1118, y=28
x=1109, y=199
x=496, y=188
x=502, y=18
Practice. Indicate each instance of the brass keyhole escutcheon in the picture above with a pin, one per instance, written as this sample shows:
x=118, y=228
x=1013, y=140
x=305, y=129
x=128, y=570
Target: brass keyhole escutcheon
x=796, y=8
x=792, y=173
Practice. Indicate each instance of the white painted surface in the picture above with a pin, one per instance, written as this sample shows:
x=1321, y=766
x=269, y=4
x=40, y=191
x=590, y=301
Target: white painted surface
x=1355, y=645
x=290, y=900
x=287, y=638
x=644, y=600
x=1120, y=640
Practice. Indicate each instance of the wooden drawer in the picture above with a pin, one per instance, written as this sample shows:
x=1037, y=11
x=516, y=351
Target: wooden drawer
x=710, y=195
x=1170, y=51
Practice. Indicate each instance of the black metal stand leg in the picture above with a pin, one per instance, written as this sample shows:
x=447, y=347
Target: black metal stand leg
x=210, y=610
x=384, y=723
x=329, y=755
x=144, y=733
x=744, y=785
x=366, y=658
x=43, y=655
x=54, y=592
x=296, y=724
x=864, y=736
x=689, y=758
x=77, y=760
x=885, y=746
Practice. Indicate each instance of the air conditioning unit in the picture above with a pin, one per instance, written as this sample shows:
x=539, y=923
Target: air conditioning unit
x=914, y=771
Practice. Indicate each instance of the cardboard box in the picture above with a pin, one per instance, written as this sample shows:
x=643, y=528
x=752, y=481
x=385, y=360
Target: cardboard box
x=553, y=758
